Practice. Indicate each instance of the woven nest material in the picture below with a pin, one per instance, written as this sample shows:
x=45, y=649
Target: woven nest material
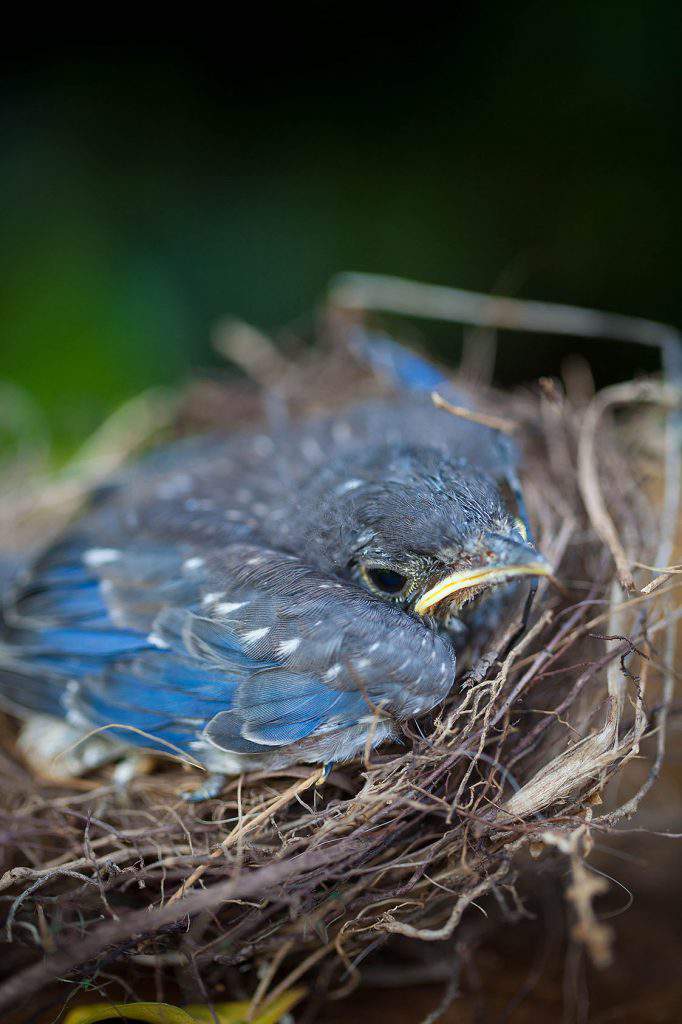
x=282, y=878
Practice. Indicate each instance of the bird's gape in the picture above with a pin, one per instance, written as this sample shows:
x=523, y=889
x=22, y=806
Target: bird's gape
x=454, y=604
x=461, y=585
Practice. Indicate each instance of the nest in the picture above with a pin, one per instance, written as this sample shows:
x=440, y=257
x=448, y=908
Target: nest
x=284, y=878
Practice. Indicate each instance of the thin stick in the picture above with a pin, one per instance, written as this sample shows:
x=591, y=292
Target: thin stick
x=241, y=830
x=266, y=980
x=413, y=298
x=495, y=422
x=299, y=971
x=148, y=921
x=176, y=753
x=588, y=474
x=389, y=924
x=665, y=574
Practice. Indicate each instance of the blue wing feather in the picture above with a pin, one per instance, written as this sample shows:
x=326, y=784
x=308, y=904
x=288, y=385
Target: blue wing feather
x=391, y=359
x=123, y=677
x=290, y=708
x=237, y=660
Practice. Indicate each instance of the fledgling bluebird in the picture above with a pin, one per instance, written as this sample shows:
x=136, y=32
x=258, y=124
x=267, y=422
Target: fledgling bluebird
x=260, y=599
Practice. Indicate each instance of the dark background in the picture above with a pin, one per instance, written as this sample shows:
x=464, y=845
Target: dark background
x=149, y=188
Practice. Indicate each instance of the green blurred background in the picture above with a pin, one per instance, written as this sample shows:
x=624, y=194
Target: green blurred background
x=149, y=188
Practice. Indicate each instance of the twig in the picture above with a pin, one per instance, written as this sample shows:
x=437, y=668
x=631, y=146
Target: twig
x=413, y=298
x=139, y=923
x=388, y=924
x=588, y=475
x=596, y=937
x=665, y=574
x=494, y=422
x=242, y=830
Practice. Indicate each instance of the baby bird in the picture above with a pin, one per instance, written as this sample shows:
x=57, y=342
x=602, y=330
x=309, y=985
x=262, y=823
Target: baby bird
x=263, y=599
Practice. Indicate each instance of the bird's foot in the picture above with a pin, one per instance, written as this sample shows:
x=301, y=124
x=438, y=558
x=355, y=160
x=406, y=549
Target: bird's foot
x=317, y=791
x=210, y=789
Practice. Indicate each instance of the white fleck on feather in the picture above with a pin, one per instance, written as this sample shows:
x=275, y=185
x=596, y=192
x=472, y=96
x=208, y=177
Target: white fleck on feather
x=192, y=563
x=349, y=485
x=229, y=606
x=288, y=646
x=255, y=634
x=101, y=556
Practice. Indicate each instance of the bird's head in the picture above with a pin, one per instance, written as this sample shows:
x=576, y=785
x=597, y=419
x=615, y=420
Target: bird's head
x=422, y=530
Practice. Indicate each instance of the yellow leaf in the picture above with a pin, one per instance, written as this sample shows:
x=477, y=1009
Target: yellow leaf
x=164, y=1013
x=152, y=1013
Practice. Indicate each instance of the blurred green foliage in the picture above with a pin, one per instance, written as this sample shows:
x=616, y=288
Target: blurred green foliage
x=147, y=190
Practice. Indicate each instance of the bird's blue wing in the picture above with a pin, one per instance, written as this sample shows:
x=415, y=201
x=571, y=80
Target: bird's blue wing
x=248, y=647
x=390, y=359
x=55, y=627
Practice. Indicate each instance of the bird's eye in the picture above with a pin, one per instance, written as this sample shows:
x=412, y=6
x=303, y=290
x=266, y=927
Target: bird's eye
x=387, y=581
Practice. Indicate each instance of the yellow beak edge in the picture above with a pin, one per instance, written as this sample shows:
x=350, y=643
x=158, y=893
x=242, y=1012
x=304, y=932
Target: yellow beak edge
x=486, y=575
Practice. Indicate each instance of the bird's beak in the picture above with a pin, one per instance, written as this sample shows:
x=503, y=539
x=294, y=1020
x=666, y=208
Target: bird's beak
x=483, y=576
